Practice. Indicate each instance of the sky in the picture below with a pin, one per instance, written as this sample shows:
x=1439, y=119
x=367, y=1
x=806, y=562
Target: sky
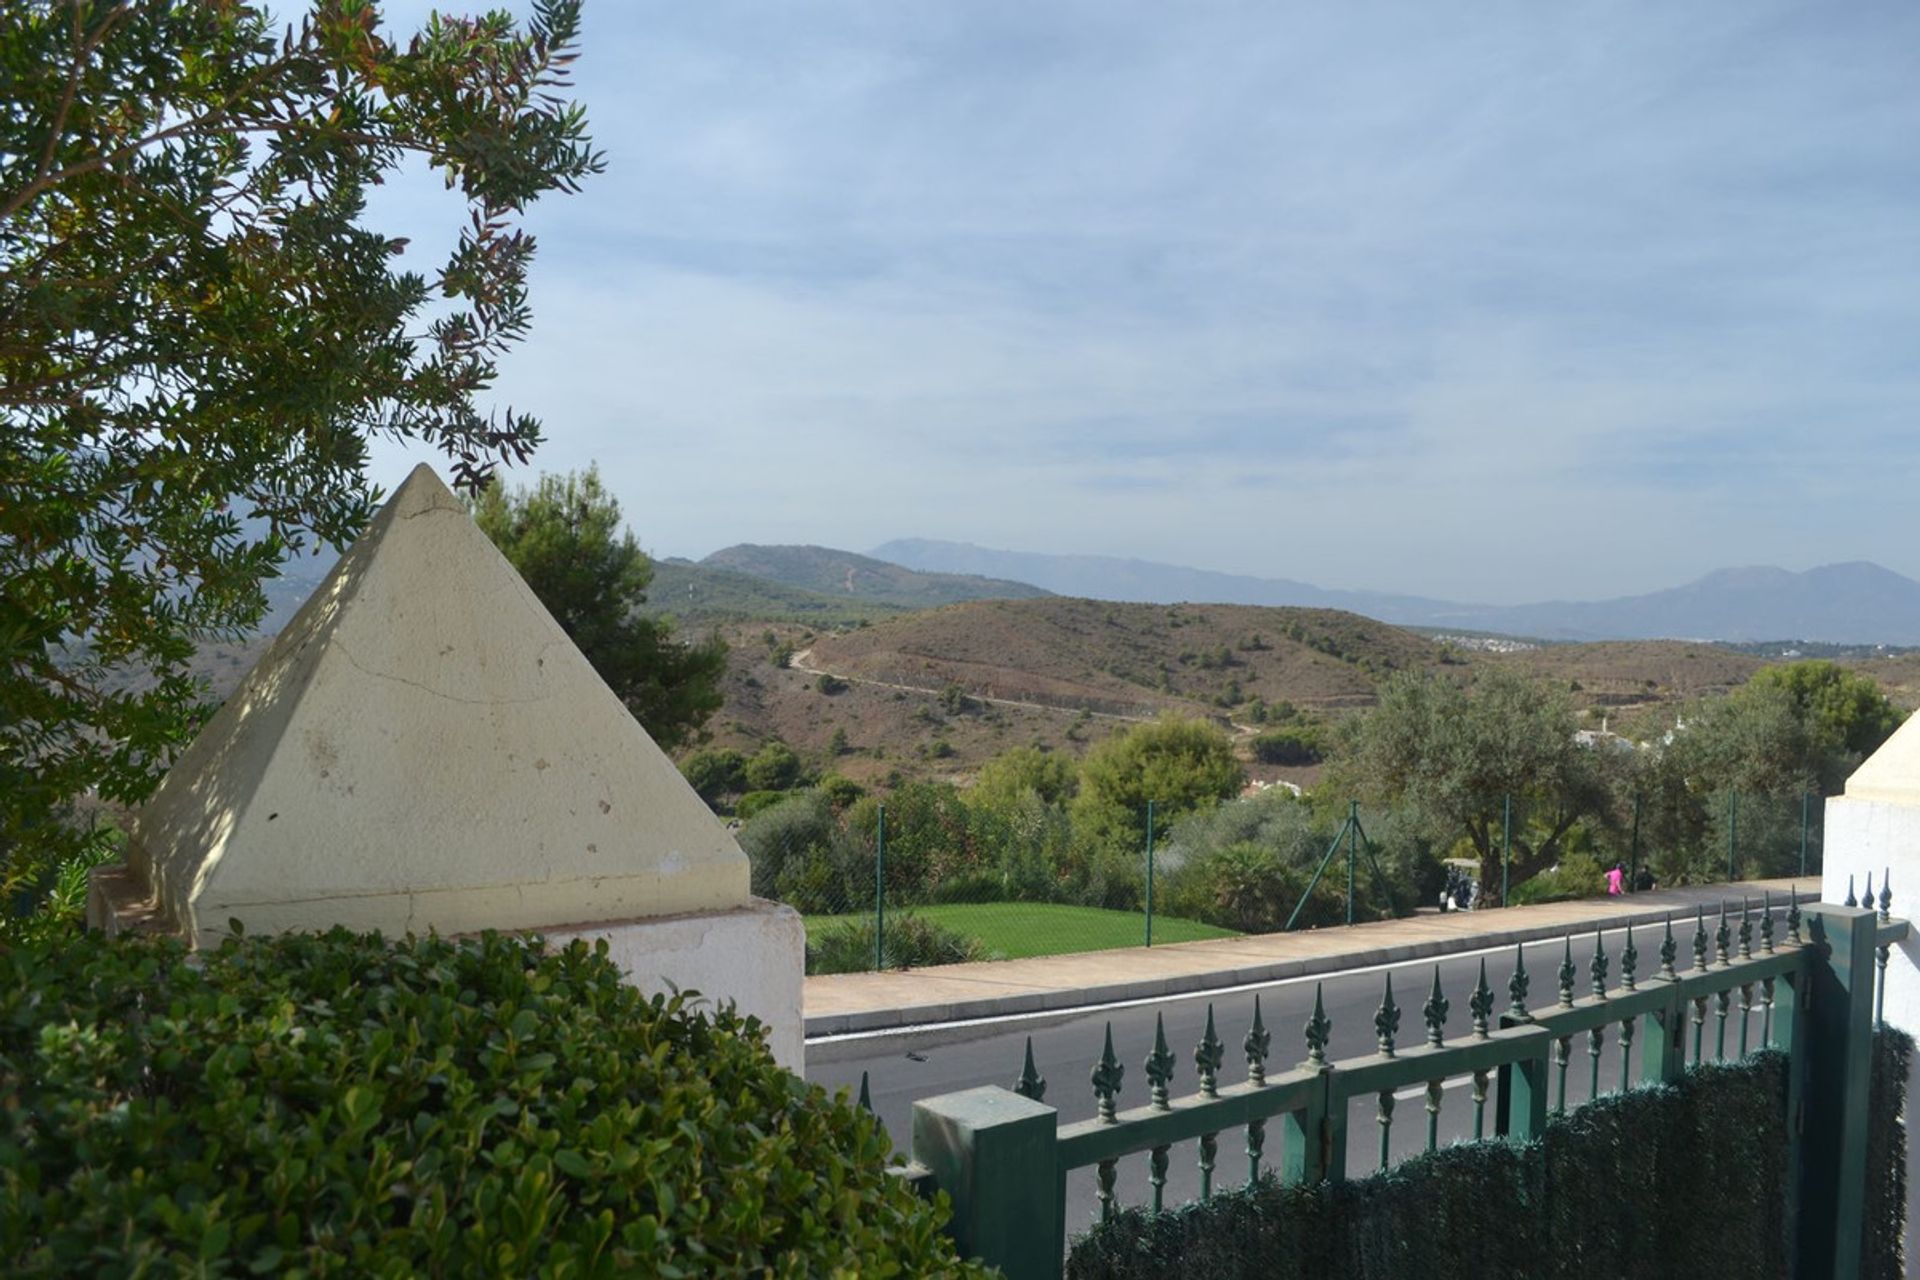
x=1495, y=302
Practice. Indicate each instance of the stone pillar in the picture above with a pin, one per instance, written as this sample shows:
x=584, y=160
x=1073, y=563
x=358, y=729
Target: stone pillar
x=1874, y=828
x=423, y=748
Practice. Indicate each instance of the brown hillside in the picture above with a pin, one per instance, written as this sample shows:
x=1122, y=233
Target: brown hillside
x=1132, y=659
x=1627, y=673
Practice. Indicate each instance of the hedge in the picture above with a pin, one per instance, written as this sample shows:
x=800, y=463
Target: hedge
x=1662, y=1181
x=1886, y=1210
x=340, y=1105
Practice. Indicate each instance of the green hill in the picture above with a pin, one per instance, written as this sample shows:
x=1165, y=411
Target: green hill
x=698, y=595
x=846, y=576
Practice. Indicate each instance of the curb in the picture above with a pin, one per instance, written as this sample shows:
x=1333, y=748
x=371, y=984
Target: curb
x=1068, y=1002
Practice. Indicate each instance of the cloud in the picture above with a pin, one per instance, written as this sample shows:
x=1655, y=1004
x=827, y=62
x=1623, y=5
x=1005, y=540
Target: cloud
x=1504, y=303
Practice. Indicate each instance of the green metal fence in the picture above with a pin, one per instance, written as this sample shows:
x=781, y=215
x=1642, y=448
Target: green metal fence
x=1809, y=984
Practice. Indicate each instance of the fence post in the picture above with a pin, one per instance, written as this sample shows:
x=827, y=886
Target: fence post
x=1506, y=842
x=993, y=1152
x=1520, y=1095
x=1733, y=829
x=1353, y=850
x=880, y=890
x=1830, y=1175
x=1633, y=856
x=1149, y=873
x=1663, y=1052
x=1806, y=803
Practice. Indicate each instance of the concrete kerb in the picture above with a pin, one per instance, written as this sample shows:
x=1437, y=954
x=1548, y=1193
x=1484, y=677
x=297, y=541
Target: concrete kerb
x=834, y=1036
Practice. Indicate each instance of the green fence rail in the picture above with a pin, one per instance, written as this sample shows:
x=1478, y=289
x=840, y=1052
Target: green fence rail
x=1004, y=1158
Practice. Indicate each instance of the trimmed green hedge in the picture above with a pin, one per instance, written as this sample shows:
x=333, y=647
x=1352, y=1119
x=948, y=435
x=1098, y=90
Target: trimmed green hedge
x=340, y=1105
x=1679, y=1181
x=1886, y=1211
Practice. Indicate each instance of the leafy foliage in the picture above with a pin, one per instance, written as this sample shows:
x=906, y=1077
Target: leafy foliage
x=716, y=774
x=1302, y=745
x=1180, y=765
x=565, y=537
x=774, y=767
x=199, y=334
x=342, y=1106
x=913, y=942
x=1453, y=755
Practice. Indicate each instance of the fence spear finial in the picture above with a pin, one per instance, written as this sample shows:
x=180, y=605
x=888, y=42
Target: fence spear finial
x=1567, y=972
x=1107, y=1074
x=1480, y=1003
x=1597, y=968
x=1435, y=1011
x=1386, y=1021
x=1668, y=950
x=1886, y=894
x=1319, y=1026
x=1258, y=1041
x=1517, y=987
x=1031, y=1083
x=1208, y=1056
x=1159, y=1064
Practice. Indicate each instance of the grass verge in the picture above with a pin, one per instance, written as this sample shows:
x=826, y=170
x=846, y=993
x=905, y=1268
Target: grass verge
x=1016, y=930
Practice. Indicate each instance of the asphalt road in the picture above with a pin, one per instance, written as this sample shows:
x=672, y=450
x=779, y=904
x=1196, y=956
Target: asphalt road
x=1065, y=1054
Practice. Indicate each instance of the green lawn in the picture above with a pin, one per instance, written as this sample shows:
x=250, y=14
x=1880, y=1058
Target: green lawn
x=1012, y=930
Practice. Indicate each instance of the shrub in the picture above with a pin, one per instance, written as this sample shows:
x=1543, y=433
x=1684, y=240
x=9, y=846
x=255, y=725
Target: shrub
x=839, y=790
x=830, y=684
x=912, y=942
x=755, y=803
x=715, y=773
x=1298, y=746
x=773, y=767
x=785, y=827
x=338, y=1105
x=1577, y=875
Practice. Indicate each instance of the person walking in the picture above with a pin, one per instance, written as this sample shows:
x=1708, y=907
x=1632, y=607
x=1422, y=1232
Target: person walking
x=1616, y=880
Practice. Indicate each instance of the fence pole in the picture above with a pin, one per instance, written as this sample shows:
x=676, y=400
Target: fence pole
x=1633, y=856
x=880, y=890
x=1149, y=873
x=1353, y=850
x=995, y=1154
x=1805, y=807
x=1733, y=829
x=1506, y=842
x=1830, y=1177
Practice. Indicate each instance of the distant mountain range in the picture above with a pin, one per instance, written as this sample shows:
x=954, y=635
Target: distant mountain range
x=1853, y=603
x=842, y=574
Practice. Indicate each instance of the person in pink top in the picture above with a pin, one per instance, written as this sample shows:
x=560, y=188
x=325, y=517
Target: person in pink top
x=1616, y=878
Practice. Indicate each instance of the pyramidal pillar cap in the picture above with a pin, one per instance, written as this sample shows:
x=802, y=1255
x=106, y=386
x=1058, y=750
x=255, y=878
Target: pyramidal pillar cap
x=423, y=748
x=1892, y=773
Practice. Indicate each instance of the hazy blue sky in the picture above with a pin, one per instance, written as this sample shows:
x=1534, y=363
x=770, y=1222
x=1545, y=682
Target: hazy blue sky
x=1489, y=301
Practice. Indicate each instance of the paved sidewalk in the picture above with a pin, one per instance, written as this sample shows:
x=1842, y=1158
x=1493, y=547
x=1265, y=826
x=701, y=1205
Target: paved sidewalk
x=845, y=1003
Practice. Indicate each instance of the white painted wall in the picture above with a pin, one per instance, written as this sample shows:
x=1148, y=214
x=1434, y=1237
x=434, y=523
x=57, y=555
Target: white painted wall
x=755, y=957
x=1880, y=836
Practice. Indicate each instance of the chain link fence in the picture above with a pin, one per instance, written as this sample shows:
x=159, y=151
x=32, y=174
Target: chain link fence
x=937, y=881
